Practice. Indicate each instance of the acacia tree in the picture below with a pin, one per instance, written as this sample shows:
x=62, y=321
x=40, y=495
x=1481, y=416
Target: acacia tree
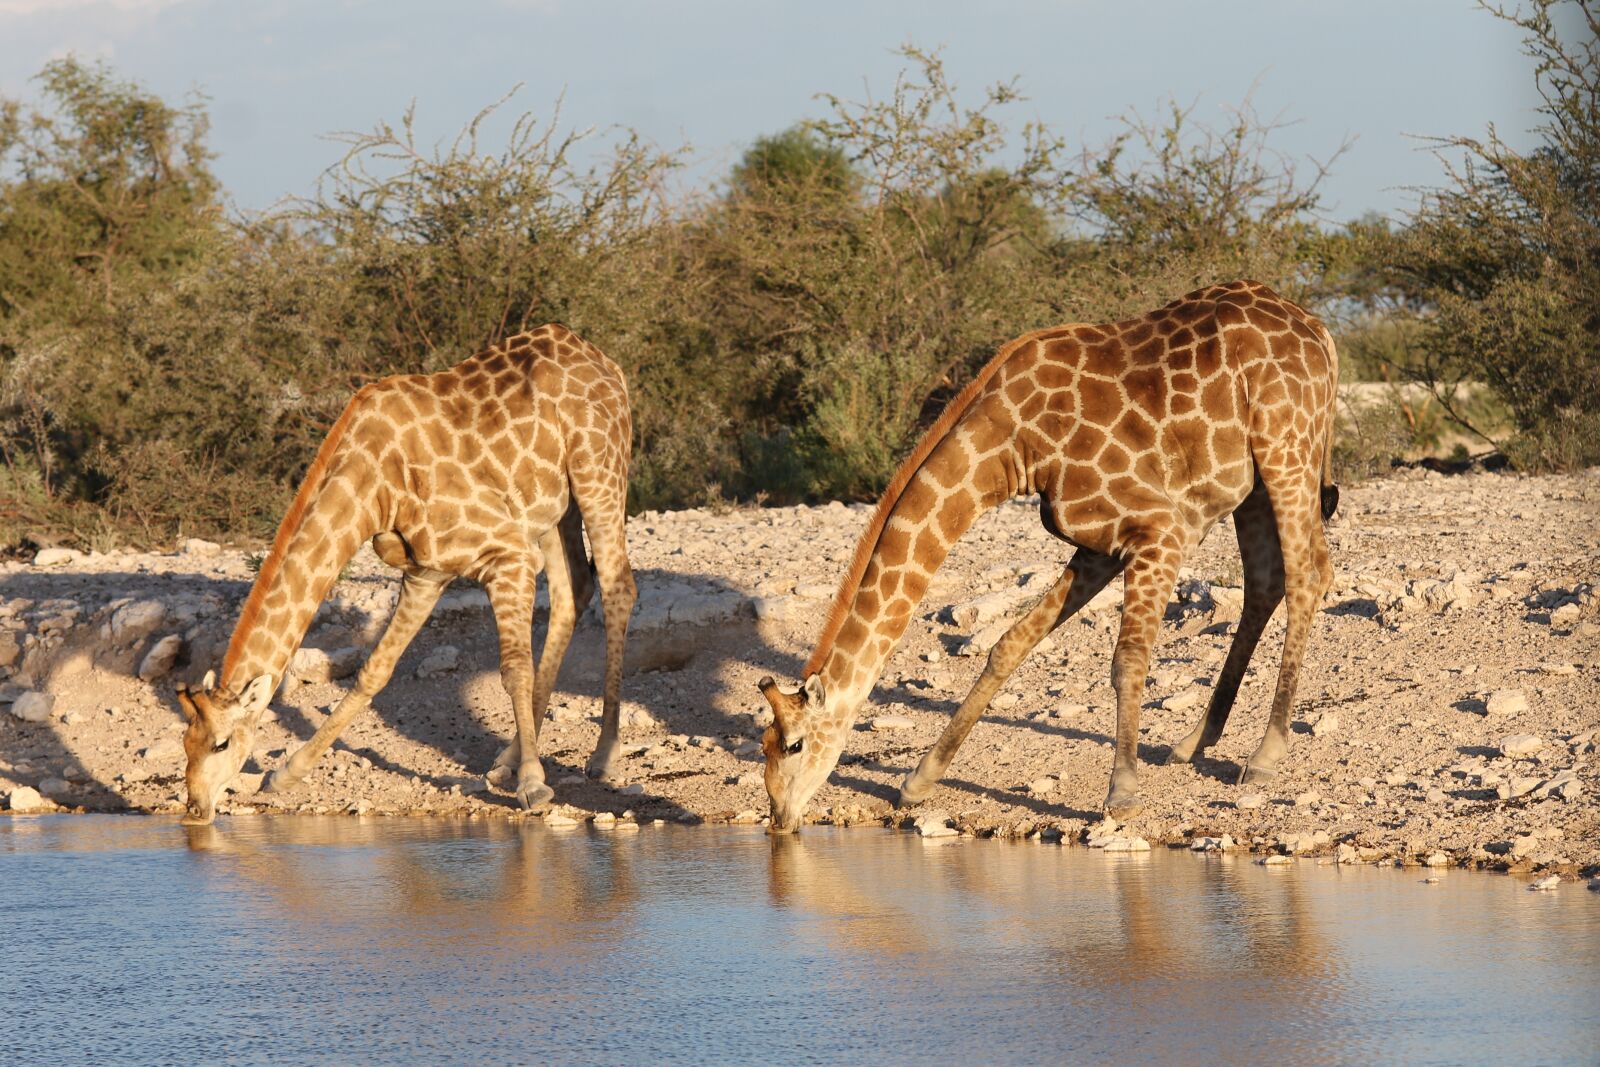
x=1499, y=271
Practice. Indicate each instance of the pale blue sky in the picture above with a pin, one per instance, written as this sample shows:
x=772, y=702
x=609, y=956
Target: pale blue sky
x=718, y=73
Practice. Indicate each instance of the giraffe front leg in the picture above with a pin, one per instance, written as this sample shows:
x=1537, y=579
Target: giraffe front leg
x=419, y=592
x=1147, y=586
x=1085, y=576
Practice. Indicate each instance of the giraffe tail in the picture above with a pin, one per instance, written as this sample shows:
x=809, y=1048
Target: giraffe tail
x=1330, y=491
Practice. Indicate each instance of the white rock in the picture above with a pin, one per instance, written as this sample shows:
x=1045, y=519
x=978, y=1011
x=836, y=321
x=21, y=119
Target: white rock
x=1506, y=702
x=814, y=591
x=25, y=798
x=136, y=621
x=1126, y=844
x=1547, y=883
x=1565, y=616
x=1041, y=786
x=55, y=787
x=320, y=664
x=1005, y=701
x=1307, y=799
x=1274, y=860
x=774, y=607
x=1327, y=724
x=1181, y=701
x=195, y=546
x=1436, y=859
x=1517, y=745
x=558, y=820
x=1516, y=787
x=748, y=817
x=56, y=557
x=632, y=789
x=935, y=824
x=164, y=748
x=33, y=706
x=888, y=723
x=441, y=660
x=983, y=640
x=1250, y=801
x=159, y=660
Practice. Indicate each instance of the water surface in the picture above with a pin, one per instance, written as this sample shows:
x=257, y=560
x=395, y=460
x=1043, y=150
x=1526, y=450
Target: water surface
x=338, y=940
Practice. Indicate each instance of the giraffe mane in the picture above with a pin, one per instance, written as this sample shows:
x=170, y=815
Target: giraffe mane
x=891, y=496
x=286, y=530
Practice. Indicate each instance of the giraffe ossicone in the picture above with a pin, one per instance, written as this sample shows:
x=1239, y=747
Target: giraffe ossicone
x=492, y=470
x=1138, y=437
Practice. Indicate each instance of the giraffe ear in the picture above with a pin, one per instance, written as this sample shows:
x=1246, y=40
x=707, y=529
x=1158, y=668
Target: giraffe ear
x=812, y=690
x=256, y=694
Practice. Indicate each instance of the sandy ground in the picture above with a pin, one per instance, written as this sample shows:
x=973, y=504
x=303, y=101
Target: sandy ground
x=1447, y=714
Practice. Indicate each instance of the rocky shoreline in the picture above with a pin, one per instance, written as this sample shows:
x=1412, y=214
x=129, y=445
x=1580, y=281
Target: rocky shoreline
x=1449, y=714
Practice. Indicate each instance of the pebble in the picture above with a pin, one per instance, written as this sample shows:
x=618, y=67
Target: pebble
x=1005, y=701
x=1274, y=860
x=440, y=661
x=1041, y=786
x=1181, y=701
x=604, y=819
x=1436, y=859
x=1547, y=883
x=33, y=706
x=24, y=798
x=1516, y=787
x=1305, y=800
x=886, y=723
x=52, y=787
x=935, y=824
x=1436, y=796
x=1212, y=844
x=1504, y=702
x=1250, y=801
x=558, y=820
x=56, y=557
x=1517, y=745
x=163, y=748
x=748, y=817
x=632, y=789
x=1327, y=724
x=159, y=660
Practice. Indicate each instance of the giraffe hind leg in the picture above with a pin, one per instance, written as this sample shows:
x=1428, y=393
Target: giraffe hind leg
x=1263, y=590
x=1307, y=573
x=618, y=593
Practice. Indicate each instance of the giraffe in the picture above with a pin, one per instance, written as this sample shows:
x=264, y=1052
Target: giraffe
x=1138, y=436
x=490, y=470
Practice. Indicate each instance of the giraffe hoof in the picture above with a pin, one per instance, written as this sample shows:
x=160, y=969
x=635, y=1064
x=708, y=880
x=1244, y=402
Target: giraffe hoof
x=1180, y=753
x=280, y=781
x=601, y=767
x=1256, y=775
x=535, y=799
x=912, y=791
x=1122, y=805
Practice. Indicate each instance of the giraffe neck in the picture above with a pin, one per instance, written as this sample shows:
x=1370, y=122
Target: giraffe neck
x=918, y=533
x=334, y=512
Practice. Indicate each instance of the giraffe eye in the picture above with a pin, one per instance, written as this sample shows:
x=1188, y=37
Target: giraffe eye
x=795, y=746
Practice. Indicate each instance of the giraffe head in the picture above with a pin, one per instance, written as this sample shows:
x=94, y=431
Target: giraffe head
x=801, y=750
x=219, y=738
